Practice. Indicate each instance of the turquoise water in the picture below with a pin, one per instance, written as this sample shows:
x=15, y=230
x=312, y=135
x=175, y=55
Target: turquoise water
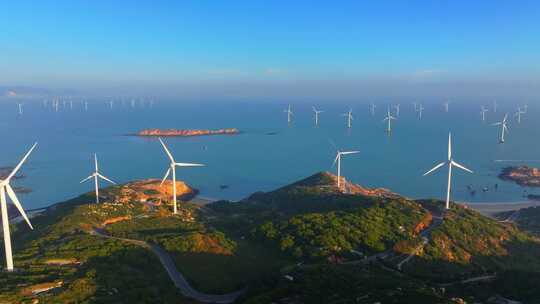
x=254, y=160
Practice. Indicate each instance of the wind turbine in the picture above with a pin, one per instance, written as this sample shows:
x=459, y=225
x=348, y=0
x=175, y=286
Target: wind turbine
x=420, y=110
x=415, y=104
x=504, y=127
x=338, y=161
x=483, y=111
x=20, y=108
x=349, y=118
x=451, y=163
x=397, y=109
x=494, y=106
x=389, y=118
x=96, y=176
x=317, y=112
x=372, y=107
x=172, y=167
x=5, y=188
x=289, y=114
x=518, y=114
x=446, y=106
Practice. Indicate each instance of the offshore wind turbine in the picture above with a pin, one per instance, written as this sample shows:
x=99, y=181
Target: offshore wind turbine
x=504, y=127
x=172, y=168
x=420, y=111
x=518, y=114
x=5, y=188
x=317, y=112
x=20, y=108
x=446, y=106
x=483, y=111
x=372, y=107
x=451, y=163
x=389, y=118
x=96, y=176
x=289, y=114
x=349, y=118
x=338, y=161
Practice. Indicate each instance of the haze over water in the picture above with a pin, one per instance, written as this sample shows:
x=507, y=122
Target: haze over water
x=256, y=161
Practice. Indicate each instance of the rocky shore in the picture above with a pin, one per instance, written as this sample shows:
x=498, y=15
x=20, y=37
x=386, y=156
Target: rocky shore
x=523, y=175
x=180, y=132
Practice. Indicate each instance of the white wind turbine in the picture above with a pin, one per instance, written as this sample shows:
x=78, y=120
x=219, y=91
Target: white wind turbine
x=317, y=112
x=372, y=107
x=483, y=111
x=172, y=168
x=420, y=111
x=415, y=104
x=389, y=118
x=451, y=163
x=518, y=114
x=5, y=188
x=96, y=176
x=289, y=114
x=338, y=161
x=446, y=106
x=504, y=127
x=349, y=118
x=20, y=108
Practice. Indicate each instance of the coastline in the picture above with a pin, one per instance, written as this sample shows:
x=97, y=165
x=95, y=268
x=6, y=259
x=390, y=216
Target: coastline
x=491, y=208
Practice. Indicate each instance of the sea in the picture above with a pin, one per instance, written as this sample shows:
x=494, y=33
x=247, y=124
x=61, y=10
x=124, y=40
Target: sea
x=269, y=152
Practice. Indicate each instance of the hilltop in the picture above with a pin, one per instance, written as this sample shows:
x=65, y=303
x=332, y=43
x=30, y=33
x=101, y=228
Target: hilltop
x=307, y=242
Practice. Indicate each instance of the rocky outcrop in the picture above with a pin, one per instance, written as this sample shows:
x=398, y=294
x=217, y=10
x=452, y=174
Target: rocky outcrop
x=149, y=191
x=179, y=132
x=523, y=175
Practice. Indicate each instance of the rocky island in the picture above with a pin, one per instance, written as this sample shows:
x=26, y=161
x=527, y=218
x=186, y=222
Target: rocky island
x=522, y=175
x=186, y=132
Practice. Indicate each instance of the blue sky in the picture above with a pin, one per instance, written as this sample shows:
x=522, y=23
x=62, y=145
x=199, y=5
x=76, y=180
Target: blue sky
x=159, y=43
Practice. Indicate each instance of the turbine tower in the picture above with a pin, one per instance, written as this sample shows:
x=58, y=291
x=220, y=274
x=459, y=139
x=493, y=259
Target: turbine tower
x=338, y=161
x=504, y=127
x=20, y=108
x=317, y=112
x=389, y=118
x=5, y=188
x=483, y=111
x=289, y=114
x=96, y=176
x=451, y=163
x=172, y=168
x=349, y=118
x=420, y=111
x=372, y=107
x=518, y=114
x=446, y=106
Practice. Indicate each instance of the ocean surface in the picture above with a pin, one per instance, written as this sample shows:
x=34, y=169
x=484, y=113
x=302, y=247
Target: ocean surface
x=268, y=153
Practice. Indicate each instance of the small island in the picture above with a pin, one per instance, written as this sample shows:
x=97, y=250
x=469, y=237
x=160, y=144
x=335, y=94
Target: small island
x=522, y=175
x=186, y=132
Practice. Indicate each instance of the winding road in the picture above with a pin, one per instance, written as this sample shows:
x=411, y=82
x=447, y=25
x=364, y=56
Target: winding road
x=178, y=279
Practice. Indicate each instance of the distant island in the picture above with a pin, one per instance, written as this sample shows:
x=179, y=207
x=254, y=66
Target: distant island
x=186, y=132
x=522, y=175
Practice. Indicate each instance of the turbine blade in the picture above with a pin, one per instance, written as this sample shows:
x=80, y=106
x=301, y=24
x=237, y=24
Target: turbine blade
x=165, y=177
x=435, y=168
x=105, y=178
x=17, y=204
x=188, y=165
x=96, y=162
x=496, y=124
x=449, y=146
x=20, y=163
x=166, y=150
x=86, y=179
x=461, y=166
x=335, y=160
x=349, y=152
